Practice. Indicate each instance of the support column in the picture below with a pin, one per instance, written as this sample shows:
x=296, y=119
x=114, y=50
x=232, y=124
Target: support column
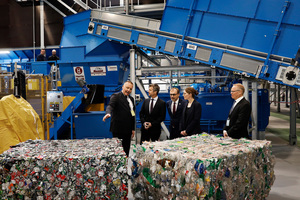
x=213, y=74
x=287, y=97
x=246, y=86
x=293, y=136
x=127, y=7
x=275, y=94
x=42, y=24
x=138, y=61
x=132, y=79
x=278, y=98
x=255, y=135
x=132, y=71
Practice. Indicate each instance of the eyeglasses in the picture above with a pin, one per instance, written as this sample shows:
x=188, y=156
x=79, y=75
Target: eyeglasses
x=232, y=91
x=173, y=94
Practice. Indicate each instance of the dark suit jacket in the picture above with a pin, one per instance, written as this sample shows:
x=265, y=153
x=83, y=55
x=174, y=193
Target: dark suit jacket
x=41, y=57
x=191, y=124
x=122, y=122
x=175, y=118
x=239, y=118
x=157, y=115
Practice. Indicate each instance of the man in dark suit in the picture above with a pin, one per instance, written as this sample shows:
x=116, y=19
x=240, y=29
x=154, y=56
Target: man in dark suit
x=42, y=56
x=153, y=112
x=53, y=56
x=121, y=109
x=239, y=114
x=175, y=107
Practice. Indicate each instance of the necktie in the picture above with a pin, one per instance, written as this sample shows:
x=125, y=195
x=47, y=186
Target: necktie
x=174, y=108
x=151, y=105
x=232, y=107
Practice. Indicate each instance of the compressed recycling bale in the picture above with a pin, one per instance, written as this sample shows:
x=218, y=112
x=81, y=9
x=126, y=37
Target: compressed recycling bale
x=64, y=169
x=203, y=167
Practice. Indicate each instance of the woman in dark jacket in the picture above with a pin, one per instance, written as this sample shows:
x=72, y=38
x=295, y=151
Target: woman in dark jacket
x=190, y=123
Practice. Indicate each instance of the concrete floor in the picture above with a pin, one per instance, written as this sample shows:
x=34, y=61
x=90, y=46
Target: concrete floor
x=287, y=170
x=287, y=167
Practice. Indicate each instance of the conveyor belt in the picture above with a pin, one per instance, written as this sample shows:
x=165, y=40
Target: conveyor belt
x=146, y=33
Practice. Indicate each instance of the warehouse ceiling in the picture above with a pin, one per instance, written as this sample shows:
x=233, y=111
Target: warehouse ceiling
x=20, y=20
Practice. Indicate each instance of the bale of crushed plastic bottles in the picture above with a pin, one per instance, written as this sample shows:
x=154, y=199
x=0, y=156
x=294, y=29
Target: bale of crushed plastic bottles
x=203, y=167
x=64, y=169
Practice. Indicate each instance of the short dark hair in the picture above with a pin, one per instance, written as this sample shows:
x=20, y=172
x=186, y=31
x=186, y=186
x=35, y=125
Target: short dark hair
x=155, y=87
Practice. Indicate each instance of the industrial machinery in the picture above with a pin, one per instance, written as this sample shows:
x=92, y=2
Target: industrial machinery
x=257, y=40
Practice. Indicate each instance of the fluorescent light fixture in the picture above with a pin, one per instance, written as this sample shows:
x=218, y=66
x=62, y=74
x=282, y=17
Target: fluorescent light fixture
x=4, y=52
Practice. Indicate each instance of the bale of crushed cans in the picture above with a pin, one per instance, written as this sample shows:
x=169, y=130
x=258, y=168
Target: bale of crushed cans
x=203, y=167
x=64, y=169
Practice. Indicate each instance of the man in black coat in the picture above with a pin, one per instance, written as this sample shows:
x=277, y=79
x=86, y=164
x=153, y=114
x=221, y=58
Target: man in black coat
x=121, y=109
x=53, y=56
x=42, y=56
x=153, y=112
x=175, y=107
x=239, y=114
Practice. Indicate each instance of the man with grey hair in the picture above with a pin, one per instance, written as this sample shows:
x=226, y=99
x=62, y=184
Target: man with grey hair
x=121, y=109
x=237, y=122
x=53, y=56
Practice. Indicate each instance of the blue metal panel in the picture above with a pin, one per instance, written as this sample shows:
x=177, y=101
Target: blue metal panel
x=215, y=106
x=174, y=24
x=196, y=24
x=180, y=4
x=289, y=40
x=269, y=10
x=225, y=29
x=111, y=77
x=234, y=7
x=69, y=54
x=259, y=31
x=90, y=125
x=41, y=67
x=73, y=28
x=249, y=24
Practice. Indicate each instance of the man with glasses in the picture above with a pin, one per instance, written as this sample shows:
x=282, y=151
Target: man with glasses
x=237, y=122
x=175, y=107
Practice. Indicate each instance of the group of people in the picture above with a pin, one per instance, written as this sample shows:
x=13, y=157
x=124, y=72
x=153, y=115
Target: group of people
x=42, y=56
x=184, y=114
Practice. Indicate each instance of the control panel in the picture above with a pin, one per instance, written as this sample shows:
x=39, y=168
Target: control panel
x=54, y=101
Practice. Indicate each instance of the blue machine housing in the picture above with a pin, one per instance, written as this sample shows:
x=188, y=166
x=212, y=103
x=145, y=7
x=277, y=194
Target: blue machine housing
x=248, y=24
x=88, y=48
x=79, y=49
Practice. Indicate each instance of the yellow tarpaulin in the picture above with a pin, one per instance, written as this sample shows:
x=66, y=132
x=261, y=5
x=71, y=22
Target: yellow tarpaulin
x=18, y=122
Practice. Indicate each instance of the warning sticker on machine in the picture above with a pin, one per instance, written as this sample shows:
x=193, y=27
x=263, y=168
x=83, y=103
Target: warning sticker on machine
x=98, y=71
x=79, y=73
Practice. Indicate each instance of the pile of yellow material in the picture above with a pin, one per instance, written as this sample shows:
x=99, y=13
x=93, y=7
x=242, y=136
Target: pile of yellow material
x=18, y=122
